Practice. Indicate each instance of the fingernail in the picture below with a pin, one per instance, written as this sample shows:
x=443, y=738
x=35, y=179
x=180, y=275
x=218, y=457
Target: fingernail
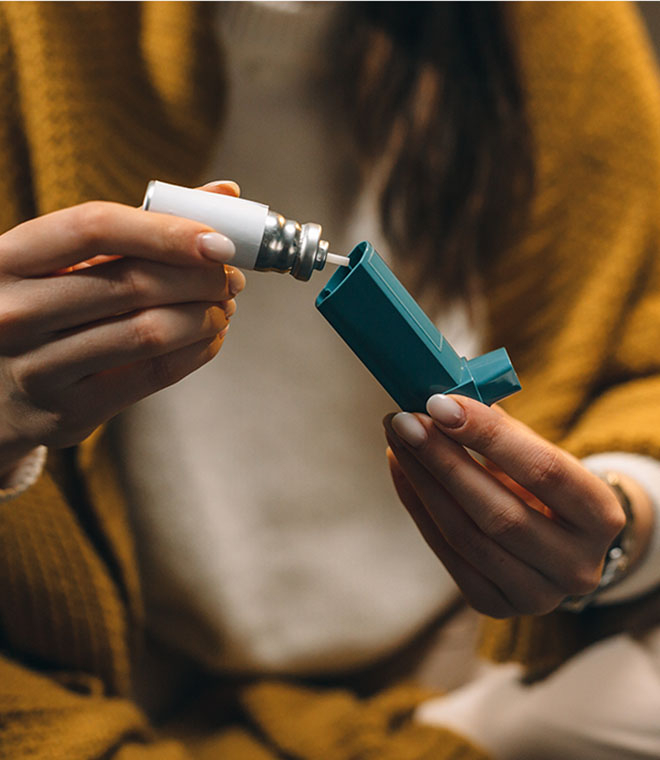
x=216, y=247
x=235, y=280
x=408, y=427
x=227, y=183
x=445, y=410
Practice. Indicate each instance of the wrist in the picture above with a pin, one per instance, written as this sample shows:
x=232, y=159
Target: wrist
x=644, y=472
x=631, y=566
x=624, y=550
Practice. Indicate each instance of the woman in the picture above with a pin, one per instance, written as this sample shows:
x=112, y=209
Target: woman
x=71, y=600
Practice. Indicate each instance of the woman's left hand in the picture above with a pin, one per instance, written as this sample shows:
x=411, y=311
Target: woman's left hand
x=518, y=535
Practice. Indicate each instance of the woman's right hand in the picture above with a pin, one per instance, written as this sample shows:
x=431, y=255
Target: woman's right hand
x=80, y=343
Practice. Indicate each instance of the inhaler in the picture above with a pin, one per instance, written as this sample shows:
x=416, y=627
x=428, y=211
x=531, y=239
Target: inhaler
x=363, y=300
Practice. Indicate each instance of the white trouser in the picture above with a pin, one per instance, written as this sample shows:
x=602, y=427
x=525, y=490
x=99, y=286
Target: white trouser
x=604, y=704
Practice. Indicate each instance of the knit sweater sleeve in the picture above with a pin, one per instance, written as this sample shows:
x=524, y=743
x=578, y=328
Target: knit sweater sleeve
x=577, y=303
x=65, y=605
x=97, y=98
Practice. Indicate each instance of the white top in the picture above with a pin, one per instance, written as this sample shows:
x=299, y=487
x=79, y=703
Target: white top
x=269, y=532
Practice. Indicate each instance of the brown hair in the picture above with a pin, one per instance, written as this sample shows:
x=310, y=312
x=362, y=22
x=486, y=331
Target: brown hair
x=434, y=90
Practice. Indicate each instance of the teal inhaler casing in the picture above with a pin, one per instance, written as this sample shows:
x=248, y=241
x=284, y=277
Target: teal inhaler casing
x=388, y=331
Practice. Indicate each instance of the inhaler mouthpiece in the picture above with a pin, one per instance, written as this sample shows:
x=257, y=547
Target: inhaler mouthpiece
x=264, y=240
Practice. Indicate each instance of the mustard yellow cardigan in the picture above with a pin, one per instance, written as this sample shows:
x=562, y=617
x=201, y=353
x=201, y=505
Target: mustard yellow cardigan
x=97, y=98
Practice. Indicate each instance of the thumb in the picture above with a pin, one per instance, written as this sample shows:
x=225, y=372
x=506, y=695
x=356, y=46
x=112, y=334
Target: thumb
x=222, y=187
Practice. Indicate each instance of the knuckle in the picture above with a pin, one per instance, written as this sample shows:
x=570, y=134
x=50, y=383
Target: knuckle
x=177, y=235
x=90, y=221
x=484, y=437
x=27, y=377
x=130, y=281
x=547, y=469
x=613, y=520
x=507, y=522
x=13, y=317
x=148, y=332
x=607, y=517
x=445, y=466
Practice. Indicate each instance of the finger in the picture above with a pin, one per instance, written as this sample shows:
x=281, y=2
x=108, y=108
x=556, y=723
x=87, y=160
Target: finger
x=409, y=497
x=480, y=592
x=229, y=307
x=63, y=238
x=500, y=514
x=101, y=396
x=114, y=343
x=222, y=187
x=522, y=493
x=552, y=475
x=526, y=589
x=44, y=306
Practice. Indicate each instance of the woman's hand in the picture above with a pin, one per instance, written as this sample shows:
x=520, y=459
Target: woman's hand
x=518, y=535
x=79, y=342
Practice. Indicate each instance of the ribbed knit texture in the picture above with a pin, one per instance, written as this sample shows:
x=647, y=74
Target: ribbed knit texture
x=79, y=78
x=97, y=98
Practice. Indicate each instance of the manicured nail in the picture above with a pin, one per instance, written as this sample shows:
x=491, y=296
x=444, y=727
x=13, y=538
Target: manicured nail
x=226, y=182
x=235, y=280
x=408, y=427
x=216, y=247
x=445, y=410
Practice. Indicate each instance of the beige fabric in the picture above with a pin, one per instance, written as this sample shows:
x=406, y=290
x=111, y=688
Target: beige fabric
x=601, y=705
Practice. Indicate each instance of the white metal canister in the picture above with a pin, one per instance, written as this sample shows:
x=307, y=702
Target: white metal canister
x=264, y=239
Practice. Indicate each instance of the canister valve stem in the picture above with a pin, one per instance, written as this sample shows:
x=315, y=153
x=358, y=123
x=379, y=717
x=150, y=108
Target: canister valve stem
x=335, y=258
